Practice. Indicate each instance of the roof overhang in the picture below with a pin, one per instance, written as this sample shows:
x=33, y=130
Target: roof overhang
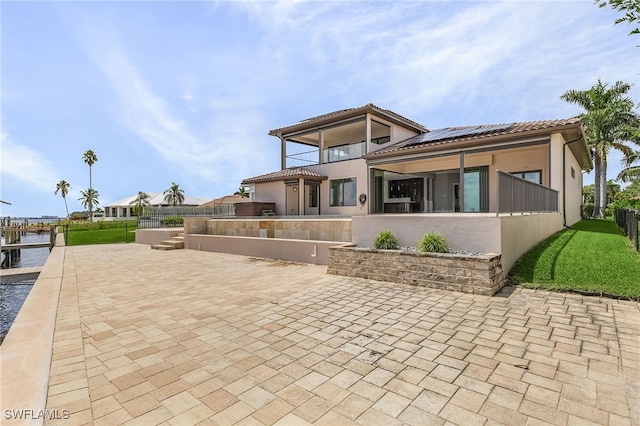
x=572, y=132
x=332, y=118
x=286, y=175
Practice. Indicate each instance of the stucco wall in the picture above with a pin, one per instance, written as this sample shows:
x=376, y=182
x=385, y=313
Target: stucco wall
x=572, y=186
x=519, y=233
x=477, y=232
x=343, y=170
x=315, y=252
x=510, y=236
x=156, y=236
x=272, y=192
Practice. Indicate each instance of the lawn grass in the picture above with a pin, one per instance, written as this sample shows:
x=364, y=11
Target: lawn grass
x=592, y=256
x=101, y=233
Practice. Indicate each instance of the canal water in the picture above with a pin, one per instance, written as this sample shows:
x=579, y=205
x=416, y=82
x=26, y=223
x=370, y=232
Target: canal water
x=13, y=295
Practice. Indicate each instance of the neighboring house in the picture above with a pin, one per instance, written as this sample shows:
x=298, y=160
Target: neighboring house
x=124, y=208
x=370, y=160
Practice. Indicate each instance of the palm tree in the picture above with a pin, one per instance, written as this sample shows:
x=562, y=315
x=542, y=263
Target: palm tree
x=631, y=171
x=63, y=187
x=242, y=191
x=607, y=121
x=89, y=198
x=90, y=158
x=141, y=200
x=174, y=195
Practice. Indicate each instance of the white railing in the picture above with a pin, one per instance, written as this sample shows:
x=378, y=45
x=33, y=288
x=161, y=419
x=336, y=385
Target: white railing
x=517, y=195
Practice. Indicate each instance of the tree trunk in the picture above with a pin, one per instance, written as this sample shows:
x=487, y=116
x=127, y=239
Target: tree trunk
x=596, y=186
x=90, y=202
x=603, y=188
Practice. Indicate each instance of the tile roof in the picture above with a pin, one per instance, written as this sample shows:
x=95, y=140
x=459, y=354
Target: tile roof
x=291, y=173
x=313, y=122
x=455, y=135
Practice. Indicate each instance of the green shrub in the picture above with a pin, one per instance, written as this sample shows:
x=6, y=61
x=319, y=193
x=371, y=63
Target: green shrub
x=385, y=240
x=432, y=242
x=172, y=221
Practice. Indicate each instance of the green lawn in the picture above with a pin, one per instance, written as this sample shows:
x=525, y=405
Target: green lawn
x=591, y=256
x=101, y=233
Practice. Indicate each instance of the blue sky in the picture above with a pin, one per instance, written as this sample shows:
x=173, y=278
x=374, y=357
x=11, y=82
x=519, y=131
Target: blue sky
x=186, y=92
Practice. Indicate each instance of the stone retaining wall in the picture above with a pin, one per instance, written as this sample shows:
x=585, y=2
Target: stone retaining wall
x=468, y=274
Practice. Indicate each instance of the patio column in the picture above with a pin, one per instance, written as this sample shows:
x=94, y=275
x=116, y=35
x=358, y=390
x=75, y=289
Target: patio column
x=461, y=184
x=283, y=153
x=320, y=147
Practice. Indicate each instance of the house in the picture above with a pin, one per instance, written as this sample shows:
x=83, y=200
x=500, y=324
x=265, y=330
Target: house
x=124, y=208
x=369, y=160
x=497, y=188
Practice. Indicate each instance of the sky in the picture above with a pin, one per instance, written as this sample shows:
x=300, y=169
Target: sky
x=187, y=91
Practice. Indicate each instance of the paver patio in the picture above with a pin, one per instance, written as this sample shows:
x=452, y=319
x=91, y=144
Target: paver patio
x=188, y=337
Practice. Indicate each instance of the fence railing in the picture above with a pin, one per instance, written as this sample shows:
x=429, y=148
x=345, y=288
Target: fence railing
x=173, y=217
x=517, y=195
x=627, y=220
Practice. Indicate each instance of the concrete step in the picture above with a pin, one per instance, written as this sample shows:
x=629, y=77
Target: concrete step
x=173, y=243
x=162, y=247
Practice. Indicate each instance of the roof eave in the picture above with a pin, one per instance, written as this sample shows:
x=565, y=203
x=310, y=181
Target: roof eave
x=351, y=113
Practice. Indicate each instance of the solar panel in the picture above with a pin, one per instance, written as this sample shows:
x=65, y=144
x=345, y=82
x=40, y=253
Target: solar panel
x=455, y=132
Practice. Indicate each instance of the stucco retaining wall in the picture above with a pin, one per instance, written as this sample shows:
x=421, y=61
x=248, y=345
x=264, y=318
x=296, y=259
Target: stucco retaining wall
x=307, y=251
x=156, y=236
x=469, y=274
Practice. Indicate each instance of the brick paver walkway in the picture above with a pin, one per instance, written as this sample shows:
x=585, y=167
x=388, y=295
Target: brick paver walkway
x=187, y=337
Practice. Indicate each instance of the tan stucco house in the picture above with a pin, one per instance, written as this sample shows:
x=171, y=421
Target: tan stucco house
x=370, y=160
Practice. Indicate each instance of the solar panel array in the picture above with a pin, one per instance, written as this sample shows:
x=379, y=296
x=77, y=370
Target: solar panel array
x=456, y=132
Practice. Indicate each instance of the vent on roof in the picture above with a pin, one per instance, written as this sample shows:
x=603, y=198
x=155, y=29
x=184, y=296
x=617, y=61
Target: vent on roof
x=457, y=132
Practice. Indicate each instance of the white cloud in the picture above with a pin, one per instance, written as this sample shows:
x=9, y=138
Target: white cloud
x=25, y=165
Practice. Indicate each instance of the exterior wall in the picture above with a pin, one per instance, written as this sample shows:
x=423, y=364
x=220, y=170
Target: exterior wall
x=520, y=233
x=342, y=170
x=562, y=181
x=272, y=192
x=307, y=251
x=510, y=236
x=334, y=230
x=156, y=236
x=464, y=231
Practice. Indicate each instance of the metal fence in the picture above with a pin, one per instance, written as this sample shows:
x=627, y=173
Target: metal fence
x=517, y=195
x=173, y=217
x=627, y=220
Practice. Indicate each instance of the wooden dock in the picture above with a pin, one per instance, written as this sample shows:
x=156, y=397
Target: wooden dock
x=20, y=246
x=13, y=275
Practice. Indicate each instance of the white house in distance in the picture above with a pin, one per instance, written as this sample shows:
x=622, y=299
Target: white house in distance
x=124, y=208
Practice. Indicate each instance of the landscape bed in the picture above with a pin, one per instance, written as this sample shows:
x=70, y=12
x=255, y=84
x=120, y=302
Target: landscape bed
x=476, y=274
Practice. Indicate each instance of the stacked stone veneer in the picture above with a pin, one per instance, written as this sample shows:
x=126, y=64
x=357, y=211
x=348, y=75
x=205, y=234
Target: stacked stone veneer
x=468, y=274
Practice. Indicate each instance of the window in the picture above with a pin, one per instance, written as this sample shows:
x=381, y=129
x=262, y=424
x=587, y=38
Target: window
x=342, y=192
x=573, y=173
x=532, y=176
x=380, y=133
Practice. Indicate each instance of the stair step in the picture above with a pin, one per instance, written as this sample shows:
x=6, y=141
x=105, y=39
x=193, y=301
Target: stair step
x=172, y=243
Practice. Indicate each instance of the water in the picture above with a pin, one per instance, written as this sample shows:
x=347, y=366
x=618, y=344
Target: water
x=13, y=295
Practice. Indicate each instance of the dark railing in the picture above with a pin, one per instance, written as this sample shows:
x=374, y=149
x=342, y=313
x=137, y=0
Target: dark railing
x=517, y=195
x=173, y=217
x=627, y=220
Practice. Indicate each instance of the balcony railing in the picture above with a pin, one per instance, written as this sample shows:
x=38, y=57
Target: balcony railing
x=517, y=195
x=329, y=155
x=344, y=152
